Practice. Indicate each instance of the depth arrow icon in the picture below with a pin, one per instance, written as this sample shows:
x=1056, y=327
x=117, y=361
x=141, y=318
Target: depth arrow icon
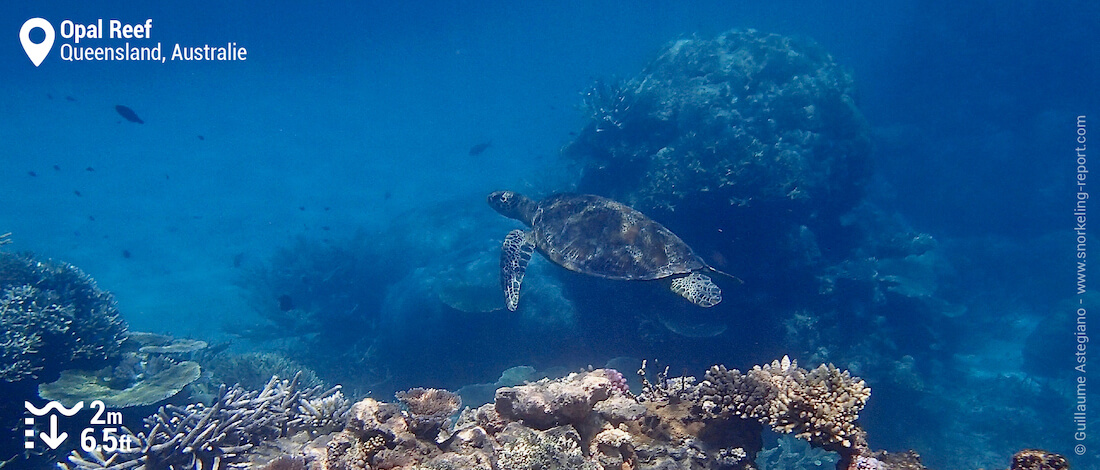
x=53, y=439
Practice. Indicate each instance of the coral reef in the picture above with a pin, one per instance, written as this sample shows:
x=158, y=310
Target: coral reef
x=76, y=385
x=546, y=403
x=252, y=370
x=792, y=453
x=53, y=316
x=1035, y=459
x=583, y=421
x=819, y=405
x=212, y=437
x=429, y=409
x=745, y=118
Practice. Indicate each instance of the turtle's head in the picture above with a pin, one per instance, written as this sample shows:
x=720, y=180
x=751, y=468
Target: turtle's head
x=513, y=205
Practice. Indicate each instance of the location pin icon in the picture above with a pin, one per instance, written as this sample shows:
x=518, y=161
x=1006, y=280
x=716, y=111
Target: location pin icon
x=37, y=52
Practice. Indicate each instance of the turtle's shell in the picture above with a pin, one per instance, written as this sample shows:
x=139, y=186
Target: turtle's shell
x=600, y=237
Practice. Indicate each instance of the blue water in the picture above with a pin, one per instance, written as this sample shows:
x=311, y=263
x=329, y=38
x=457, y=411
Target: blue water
x=360, y=119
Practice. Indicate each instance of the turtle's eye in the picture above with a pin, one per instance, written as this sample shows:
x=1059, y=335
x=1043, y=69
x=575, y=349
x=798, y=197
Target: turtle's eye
x=507, y=196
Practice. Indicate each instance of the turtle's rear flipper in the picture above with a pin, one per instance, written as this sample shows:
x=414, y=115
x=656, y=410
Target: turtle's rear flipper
x=514, y=256
x=698, y=288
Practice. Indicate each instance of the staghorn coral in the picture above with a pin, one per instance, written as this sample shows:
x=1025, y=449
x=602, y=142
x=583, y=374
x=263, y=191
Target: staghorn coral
x=210, y=437
x=819, y=405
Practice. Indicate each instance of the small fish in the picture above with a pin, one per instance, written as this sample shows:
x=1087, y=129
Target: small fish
x=480, y=148
x=91, y=218
x=286, y=303
x=31, y=173
x=49, y=96
x=57, y=168
x=202, y=138
x=77, y=192
x=89, y=169
x=126, y=254
x=128, y=114
x=69, y=98
x=301, y=208
x=238, y=260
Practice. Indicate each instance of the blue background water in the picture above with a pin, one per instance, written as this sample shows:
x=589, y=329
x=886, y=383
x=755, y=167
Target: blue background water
x=345, y=117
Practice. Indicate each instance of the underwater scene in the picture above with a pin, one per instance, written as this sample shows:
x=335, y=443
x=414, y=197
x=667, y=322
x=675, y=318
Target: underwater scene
x=548, y=235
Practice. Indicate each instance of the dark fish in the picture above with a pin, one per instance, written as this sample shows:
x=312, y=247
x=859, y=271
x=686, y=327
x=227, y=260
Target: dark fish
x=57, y=168
x=49, y=96
x=126, y=254
x=128, y=114
x=31, y=173
x=202, y=138
x=89, y=169
x=77, y=192
x=91, y=218
x=69, y=98
x=286, y=303
x=480, y=148
x=238, y=260
x=301, y=208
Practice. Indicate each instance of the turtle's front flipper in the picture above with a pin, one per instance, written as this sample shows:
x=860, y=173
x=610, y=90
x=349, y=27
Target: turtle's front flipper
x=698, y=288
x=514, y=256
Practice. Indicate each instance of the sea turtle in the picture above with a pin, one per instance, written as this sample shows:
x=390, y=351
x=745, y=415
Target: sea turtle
x=600, y=237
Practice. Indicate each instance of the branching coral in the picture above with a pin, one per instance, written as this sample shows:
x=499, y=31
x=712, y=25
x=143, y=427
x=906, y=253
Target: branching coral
x=204, y=437
x=819, y=405
x=29, y=320
x=53, y=315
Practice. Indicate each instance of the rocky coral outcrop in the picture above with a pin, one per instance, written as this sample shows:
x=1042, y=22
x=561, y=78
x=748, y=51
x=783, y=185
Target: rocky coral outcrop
x=745, y=118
